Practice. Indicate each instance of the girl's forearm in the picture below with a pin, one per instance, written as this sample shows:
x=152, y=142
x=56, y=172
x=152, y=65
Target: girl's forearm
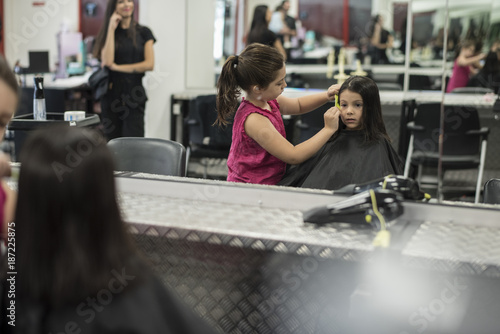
x=310, y=102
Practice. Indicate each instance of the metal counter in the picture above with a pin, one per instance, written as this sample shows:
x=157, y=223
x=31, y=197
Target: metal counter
x=242, y=257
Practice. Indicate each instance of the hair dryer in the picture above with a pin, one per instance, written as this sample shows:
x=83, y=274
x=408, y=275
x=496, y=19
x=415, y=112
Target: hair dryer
x=407, y=187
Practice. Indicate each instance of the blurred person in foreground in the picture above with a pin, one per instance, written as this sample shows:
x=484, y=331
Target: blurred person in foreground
x=9, y=99
x=77, y=268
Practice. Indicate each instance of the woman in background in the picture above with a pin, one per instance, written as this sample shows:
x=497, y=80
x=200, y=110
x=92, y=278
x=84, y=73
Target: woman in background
x=126, y=48
x=259, y=30
x=77, y=268
x=381, y=40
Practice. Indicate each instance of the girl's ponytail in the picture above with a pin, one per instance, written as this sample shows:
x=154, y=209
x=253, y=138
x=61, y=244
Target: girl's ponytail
x=257, y=65
x=227, y=91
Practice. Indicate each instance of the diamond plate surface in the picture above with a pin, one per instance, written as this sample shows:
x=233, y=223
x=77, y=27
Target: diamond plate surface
x=249, y=269
x=442, y=246
x=243, y=226
x=467, y=249
x=243, y=290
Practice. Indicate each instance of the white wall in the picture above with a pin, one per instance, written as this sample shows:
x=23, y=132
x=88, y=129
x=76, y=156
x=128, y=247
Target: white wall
x=35, y=28
x=200, y=44
x=167, y=20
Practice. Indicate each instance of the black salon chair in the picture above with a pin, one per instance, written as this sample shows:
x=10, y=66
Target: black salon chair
x=464, y=141
x=207, y=140
x=491, y=193
x=416, y=82
x=149, y=155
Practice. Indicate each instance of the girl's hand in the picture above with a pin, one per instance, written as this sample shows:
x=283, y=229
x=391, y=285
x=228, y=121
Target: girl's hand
x=114, y=20
x=331, y=118
x=332, y=91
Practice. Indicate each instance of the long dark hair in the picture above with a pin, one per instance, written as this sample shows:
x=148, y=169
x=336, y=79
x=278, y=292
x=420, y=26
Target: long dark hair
x=463, y=45
x=103, y=32
x=259, y=24
x=372, y=121
x=491, y=64
x=257, y=64
x=69, y=229
x=372, y=23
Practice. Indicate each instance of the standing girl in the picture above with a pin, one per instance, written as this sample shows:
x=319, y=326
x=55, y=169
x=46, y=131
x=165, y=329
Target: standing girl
x=126, y=48
x=259, y=150
x=465, y=65
x=359, y=152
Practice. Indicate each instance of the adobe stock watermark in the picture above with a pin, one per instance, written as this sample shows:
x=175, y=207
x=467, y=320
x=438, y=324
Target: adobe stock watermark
x=425, y=315
x=75, y=156
x=31, y=27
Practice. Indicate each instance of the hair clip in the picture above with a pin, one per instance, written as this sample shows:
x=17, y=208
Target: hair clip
x=235, y=61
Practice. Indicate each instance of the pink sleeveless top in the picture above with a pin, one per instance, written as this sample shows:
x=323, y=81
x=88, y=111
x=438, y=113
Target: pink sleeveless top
x=459, y=77
x=248, y=162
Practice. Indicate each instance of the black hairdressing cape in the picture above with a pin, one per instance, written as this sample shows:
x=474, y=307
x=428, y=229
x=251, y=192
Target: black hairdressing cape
x=344, y=160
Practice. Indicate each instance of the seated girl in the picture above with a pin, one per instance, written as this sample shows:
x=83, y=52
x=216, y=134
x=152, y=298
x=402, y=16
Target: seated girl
x=360, y=151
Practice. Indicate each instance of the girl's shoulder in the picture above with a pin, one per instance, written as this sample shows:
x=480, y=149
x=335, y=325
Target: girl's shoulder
x=246, y=108
x=249, y=107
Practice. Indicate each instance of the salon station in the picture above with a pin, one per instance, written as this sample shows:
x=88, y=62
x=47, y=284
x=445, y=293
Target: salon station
x=412, y=253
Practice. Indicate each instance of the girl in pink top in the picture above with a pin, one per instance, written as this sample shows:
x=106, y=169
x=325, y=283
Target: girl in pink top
x=465, y=64
x=259, y=150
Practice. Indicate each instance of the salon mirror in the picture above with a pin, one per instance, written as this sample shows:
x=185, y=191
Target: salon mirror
x=426, y=68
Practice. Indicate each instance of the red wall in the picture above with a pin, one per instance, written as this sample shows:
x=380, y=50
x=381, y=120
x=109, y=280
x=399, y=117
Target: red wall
x=324, y=16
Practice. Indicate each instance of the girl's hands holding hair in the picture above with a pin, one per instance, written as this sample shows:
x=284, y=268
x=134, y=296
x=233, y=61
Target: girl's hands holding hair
x=331, y=118
x=332, y=91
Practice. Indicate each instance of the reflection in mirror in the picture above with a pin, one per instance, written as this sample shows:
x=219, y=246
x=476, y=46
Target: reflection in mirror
x=430, y=60
x=226, y=24
x=468, y=35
